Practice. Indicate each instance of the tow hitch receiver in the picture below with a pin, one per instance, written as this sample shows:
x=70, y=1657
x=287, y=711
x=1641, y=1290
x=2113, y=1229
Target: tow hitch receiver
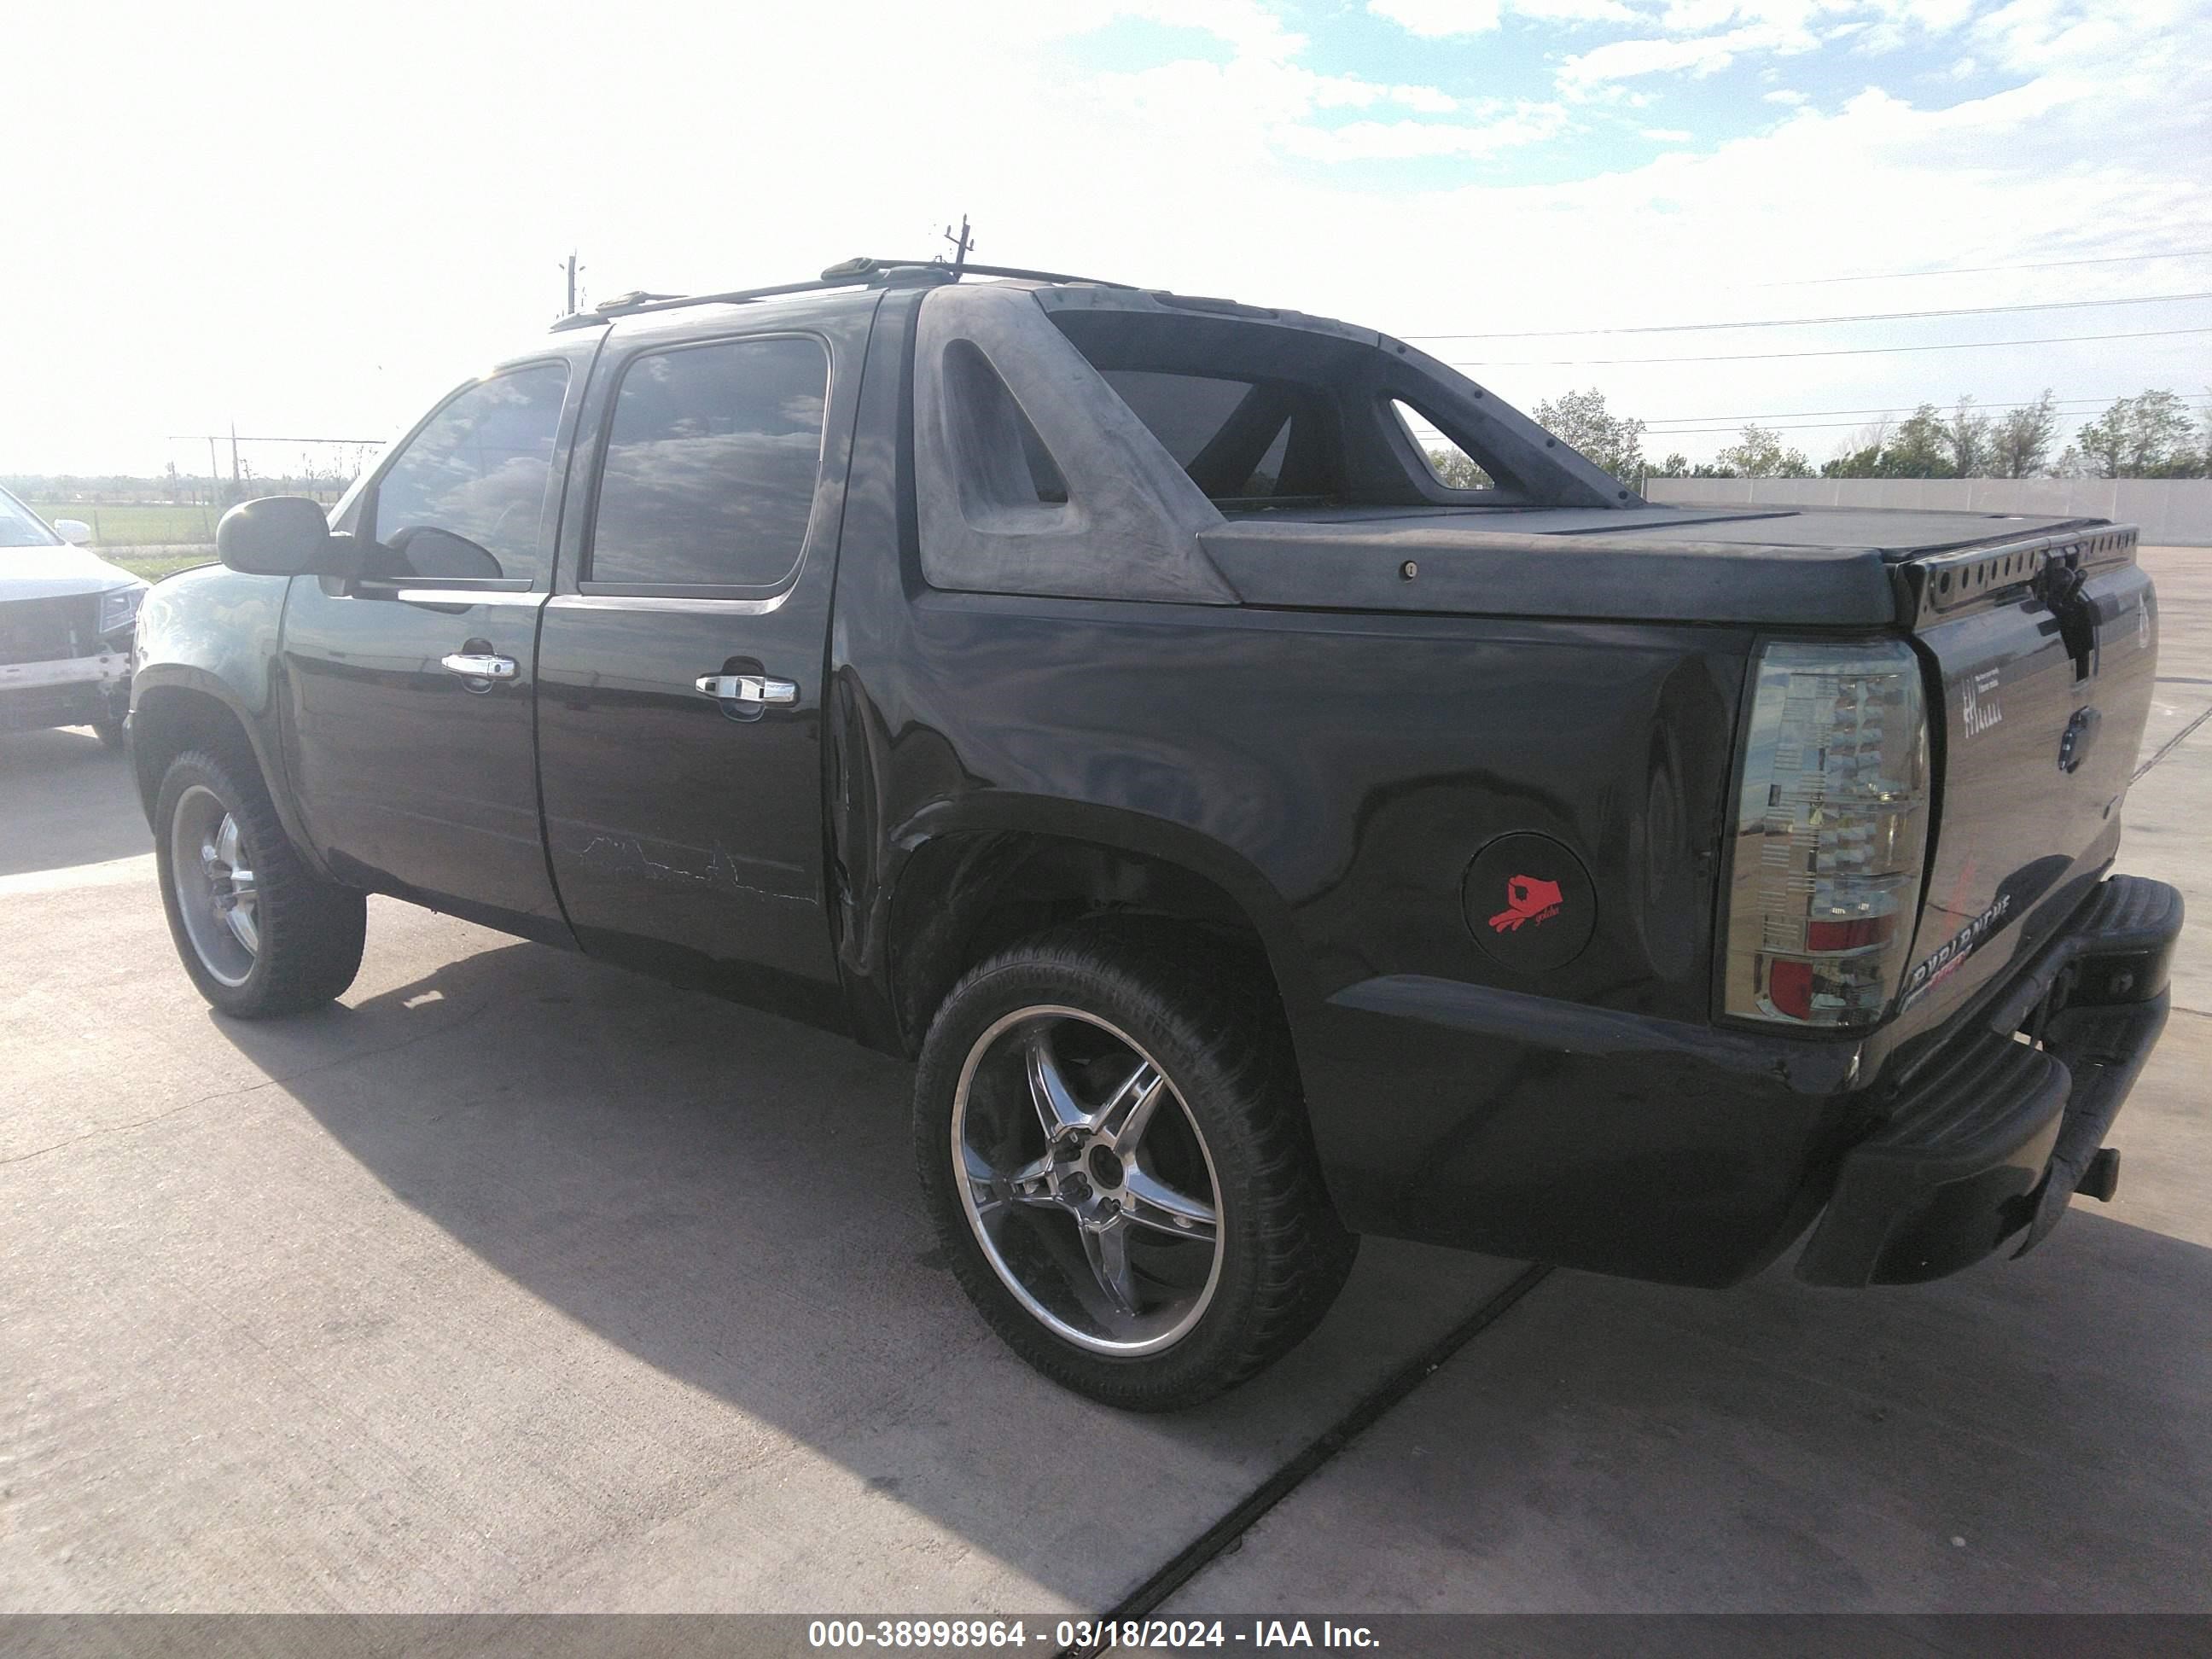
x=2102, y=1178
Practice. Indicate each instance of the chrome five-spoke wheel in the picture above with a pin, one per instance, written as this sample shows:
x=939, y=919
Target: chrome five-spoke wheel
x=214, y=884
x=260, y=933
x=1087, y=1181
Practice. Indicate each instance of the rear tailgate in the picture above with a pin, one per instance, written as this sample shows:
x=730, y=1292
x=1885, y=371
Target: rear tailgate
x=2046, y=651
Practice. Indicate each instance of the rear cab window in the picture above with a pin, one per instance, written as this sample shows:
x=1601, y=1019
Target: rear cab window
x=1448, y=463
x=1229, y=436
x=1265, y=418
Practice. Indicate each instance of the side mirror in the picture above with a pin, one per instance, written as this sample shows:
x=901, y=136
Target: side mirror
x=427, y=551
x=276, y=536
x=76, y=532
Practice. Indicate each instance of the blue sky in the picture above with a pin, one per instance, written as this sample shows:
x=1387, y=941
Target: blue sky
x=1613, y=83
x=313, y=219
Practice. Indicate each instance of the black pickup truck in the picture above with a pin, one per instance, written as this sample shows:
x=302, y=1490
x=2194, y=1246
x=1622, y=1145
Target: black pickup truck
x=1100, y=695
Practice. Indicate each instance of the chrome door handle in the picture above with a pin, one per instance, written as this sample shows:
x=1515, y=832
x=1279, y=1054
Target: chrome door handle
x=757, y=689
x=472, y=667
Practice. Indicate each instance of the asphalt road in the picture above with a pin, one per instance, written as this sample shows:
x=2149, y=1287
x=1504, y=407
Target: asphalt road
x=517, y=1283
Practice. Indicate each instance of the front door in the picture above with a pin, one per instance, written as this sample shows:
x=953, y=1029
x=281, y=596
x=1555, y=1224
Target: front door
x=679, y=703
x=409, y=736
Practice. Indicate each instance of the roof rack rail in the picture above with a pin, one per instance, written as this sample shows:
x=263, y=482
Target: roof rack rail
x=971, y=268
x=858, y=272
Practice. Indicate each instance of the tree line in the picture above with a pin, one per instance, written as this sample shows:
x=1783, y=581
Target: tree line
x=2152, y=436
x=326, y=479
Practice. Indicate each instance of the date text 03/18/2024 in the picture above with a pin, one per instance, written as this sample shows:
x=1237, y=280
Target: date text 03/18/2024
x=1087, y=1635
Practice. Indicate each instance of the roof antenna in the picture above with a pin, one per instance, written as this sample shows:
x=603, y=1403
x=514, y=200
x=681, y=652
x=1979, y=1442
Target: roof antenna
x=963, y=244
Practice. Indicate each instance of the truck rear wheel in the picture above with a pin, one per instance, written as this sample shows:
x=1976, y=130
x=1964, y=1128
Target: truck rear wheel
x=259, y=932
x=1114, y=1150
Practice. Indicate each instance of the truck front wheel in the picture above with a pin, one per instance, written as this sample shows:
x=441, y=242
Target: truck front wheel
x=258, y=932
x=1114, y=1150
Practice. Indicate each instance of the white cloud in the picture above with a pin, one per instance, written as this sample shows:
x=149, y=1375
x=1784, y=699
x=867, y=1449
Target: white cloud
x=1704, y=54
x=2038, y=35
x=1703, y=37
x=1369, y=141
x=1255, y=106
x=1439, y=19
x=1574, y=11
x=1444, y=19
x=1665, y=135
x=1784, y=95
x=1349, y=92
x=1252, y=29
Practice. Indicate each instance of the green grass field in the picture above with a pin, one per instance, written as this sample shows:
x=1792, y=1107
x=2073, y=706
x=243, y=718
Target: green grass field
x=136, y=524
x=155, y=566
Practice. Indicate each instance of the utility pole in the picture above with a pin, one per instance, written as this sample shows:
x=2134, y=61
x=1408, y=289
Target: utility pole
x=572, y=268
x=215, y=477
x=238, y=488
x=963, y=244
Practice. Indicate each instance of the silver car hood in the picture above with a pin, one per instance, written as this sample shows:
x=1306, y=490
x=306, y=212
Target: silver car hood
x=55, y=573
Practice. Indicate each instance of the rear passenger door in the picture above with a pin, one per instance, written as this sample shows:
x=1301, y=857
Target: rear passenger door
x=680, y=661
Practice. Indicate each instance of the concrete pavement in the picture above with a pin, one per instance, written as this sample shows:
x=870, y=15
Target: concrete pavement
x=518, y=1283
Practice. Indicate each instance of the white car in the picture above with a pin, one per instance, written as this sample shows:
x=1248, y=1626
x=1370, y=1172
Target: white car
x=67, y=617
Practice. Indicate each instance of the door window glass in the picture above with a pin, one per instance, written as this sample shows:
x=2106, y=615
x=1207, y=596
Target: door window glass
x=20, y=526
x=712, y=464
x=468, y=495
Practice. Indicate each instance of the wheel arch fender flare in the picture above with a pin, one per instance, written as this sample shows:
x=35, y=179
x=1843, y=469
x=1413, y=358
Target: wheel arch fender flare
x=946, y=864
x=175, y=707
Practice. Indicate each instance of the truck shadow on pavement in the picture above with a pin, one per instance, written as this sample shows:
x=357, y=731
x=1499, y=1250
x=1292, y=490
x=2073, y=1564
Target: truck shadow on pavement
x=730, y=1199
x=71, y=801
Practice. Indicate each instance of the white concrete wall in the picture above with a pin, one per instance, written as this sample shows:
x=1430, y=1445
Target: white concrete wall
x=2169, y=512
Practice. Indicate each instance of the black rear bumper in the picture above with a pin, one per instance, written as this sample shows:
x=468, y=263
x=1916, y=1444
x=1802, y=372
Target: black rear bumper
x=1993, y=1136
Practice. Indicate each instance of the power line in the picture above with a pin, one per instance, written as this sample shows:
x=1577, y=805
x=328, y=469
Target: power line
x=1807, y=322
x=1890, y=409
x=1973, y=271
x=1809, y=426
x=1807, y=415
x=248, y=438
x=1853, y=351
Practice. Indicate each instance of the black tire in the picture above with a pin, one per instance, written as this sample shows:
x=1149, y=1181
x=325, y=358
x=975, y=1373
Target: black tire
x=109, y=731
x=310, y=931
x=1210, y=1021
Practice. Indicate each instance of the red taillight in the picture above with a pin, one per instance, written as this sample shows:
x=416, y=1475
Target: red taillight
x=1832, y=832
x=1849, y=935
x=1789, y=988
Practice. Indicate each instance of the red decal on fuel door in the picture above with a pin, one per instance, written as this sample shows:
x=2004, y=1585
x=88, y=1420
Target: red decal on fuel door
x=1527, y=899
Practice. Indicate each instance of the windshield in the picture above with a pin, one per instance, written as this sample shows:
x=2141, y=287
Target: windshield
x=20, y=526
